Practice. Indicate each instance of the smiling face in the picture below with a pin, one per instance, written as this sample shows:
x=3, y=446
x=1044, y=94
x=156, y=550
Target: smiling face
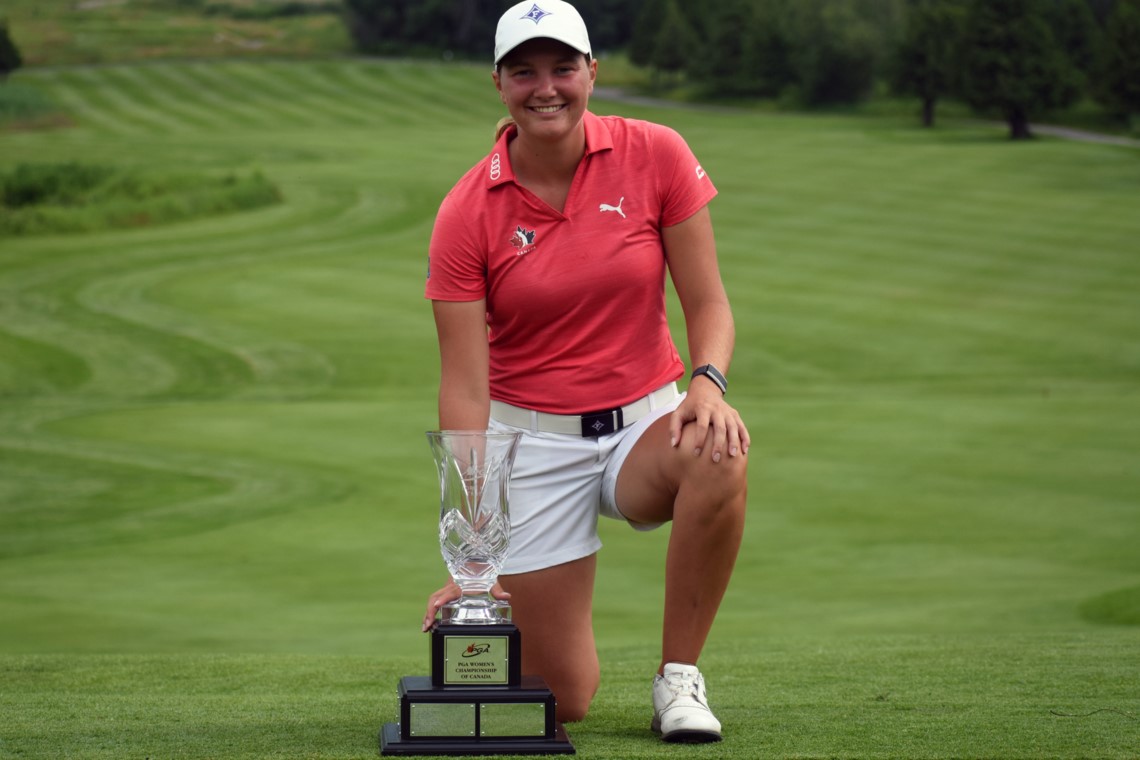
x=546, y=86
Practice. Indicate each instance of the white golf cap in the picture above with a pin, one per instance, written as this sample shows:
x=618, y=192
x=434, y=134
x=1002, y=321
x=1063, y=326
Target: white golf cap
x=530, y=20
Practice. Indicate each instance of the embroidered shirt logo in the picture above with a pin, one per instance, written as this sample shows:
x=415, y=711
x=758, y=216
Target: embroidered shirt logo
x=535, y=14
x=604, y=207
x=700, y=172
x=496, y=167
x=522, y=239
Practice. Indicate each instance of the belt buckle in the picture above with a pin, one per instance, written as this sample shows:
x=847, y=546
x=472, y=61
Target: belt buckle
x=596, y=424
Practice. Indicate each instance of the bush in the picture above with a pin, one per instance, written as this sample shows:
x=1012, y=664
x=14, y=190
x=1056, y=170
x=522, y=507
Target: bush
x=77, y=197
x=50, y=184
x=10, y=58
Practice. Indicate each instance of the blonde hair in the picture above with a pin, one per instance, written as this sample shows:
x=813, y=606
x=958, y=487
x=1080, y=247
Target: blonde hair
x=504, y=124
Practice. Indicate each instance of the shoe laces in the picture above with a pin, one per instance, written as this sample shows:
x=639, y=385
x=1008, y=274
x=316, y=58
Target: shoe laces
x=683, y=684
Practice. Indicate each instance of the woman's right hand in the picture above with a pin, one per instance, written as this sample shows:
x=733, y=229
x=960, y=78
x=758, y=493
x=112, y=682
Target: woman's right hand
x=450, y=593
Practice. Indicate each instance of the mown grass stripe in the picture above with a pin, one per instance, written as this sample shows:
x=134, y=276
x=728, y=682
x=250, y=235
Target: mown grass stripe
x=224, y=356
x=88, y=107
x=250, y=491
x=474, y=92
x=333, y=100
x=397, y=94
x=170, y=92
x=876, y=229
x=119, y=102
x=347, y=77
x=132, y=85
x=860, y=245
x=387, y=103
x=216, y=91
x=263, y=88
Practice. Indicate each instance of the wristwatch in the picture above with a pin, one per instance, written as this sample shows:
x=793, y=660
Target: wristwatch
x=712, y=373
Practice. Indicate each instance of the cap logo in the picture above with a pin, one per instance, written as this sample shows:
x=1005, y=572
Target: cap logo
x=535, y=14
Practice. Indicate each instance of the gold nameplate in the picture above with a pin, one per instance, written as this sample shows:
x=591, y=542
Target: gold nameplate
x=472, y=660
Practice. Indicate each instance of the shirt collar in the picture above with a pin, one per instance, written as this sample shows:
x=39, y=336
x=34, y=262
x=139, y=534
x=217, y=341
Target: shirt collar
x=498, y=164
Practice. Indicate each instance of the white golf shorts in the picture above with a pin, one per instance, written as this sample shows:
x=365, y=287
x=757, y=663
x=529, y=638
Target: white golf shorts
x=560, y=484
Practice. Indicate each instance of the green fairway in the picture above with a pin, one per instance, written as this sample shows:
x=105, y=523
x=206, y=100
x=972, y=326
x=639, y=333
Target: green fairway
x=217, y=505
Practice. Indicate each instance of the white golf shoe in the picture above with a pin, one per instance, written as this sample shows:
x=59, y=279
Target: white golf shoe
x=680, y=708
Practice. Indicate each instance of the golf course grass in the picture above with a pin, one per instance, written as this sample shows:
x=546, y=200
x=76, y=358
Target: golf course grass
x=217, y=506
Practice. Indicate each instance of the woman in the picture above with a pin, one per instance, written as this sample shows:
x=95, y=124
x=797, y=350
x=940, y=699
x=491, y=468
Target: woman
x=546, y=276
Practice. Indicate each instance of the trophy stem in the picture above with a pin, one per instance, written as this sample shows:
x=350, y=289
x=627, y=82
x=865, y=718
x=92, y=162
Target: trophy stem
x=476, y=609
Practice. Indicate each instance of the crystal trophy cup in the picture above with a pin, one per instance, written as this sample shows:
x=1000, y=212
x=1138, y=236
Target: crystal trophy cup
x=476, y=700
x=474, y=523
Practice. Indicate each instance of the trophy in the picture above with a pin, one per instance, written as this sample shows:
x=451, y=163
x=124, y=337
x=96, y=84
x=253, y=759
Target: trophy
x=476, y=700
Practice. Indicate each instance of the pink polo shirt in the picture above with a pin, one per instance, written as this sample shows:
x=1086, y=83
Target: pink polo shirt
x=575, y=300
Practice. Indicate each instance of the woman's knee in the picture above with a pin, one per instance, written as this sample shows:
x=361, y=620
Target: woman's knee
x=573, y=700
x=724, y=481
x=572, y=711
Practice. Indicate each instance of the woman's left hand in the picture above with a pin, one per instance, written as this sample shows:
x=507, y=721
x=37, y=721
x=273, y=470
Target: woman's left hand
x=716, y=422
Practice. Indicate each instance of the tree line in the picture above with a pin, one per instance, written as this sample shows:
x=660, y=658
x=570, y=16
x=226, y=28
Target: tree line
x=1019, y=59
x=466, y=28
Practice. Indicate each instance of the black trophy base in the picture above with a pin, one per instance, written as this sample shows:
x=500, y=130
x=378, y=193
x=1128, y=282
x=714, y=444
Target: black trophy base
x=514, y=720
x=392, y=744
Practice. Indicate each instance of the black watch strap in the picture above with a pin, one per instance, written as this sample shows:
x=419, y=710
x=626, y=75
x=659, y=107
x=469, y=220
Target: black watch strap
x=712, y=373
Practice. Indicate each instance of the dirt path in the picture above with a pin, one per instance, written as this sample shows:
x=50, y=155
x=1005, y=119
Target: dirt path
x=1067, y=133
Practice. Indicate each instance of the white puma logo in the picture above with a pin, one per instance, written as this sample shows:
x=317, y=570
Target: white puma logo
x=604, y=207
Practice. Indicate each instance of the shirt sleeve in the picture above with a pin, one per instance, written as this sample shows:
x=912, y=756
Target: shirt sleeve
x=682, y=183
x=457, y=264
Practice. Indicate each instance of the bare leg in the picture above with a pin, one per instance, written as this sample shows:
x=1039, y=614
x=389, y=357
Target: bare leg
x=706, y=502
x=553, y=609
